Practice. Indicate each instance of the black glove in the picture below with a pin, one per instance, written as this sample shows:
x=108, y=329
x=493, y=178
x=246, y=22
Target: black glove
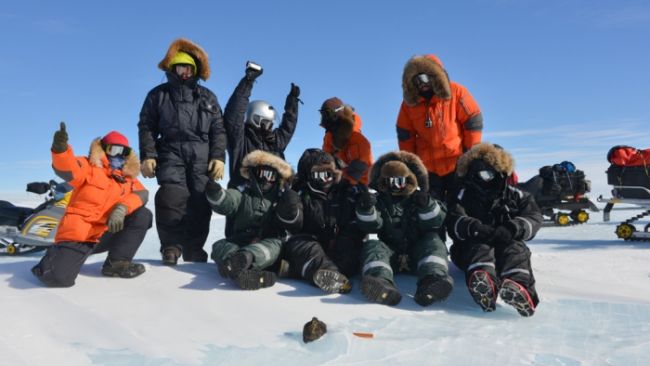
x=366, y=201
x=60, y=140
x=295, y=91
x=287, y=206
x=253, y=70
x=213, y=188
x=503, y=235
x=481, y=231
x=421, y=199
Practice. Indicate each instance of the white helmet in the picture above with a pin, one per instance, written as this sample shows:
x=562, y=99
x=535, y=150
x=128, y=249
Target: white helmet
x=260, y=114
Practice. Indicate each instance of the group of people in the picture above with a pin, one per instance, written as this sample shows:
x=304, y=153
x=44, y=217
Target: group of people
x=338, y=216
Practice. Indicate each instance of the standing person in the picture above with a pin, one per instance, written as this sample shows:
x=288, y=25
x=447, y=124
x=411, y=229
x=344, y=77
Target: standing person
x=489, y=221
x=344, y=140
x=249, y=126
x=106, y=210
x=255, y=242
x=407, y=221
x=438, y=121
x=182, y=144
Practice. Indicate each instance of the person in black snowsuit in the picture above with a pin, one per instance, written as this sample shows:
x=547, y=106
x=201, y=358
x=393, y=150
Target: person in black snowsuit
x=314, y=213
x=182, y=144
x=325, y=243
x=407, y=221
x=489, y=220
x=256, y=241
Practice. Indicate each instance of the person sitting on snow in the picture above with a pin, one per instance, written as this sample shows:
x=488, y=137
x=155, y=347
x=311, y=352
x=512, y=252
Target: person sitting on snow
x=318, y=212
x=106, y=210
x=407, y=221
x=489, y=220
x=255, y=242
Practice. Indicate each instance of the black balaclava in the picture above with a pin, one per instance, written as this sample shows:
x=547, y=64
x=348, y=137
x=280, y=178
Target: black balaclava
x=484, y=182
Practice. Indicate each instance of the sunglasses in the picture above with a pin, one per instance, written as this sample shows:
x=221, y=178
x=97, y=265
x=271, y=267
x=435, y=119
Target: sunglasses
x=421, y=79
x=322, y=176
x=396, y=182
x=117, y=150
x=486, y=175
x=266, y=174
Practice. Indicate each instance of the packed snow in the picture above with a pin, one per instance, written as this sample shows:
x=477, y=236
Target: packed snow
x=594, y=310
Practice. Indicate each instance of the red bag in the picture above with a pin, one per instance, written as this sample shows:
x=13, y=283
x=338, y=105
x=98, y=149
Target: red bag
x=622, y=155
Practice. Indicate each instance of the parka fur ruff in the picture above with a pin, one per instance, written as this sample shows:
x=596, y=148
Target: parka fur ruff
x=131, y=166
x=263, y=158
x=424, y=65
x=187, y=46
x=399, y=163
x=498, y=158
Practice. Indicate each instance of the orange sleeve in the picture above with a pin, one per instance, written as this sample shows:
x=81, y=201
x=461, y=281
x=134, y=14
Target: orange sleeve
x=360, y=153
x=137, y=198
x=469, y=117
x=405, y=131
x=70, y=168
x=327, y=143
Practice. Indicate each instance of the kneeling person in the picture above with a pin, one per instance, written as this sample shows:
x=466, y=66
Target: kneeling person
x=106, y=211
x=255, y=243
x=407, y=221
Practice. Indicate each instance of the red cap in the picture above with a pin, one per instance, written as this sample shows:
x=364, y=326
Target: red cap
x=115, y=138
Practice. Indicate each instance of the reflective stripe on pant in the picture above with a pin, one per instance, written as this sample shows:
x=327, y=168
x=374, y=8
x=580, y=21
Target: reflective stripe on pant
x=265, y=251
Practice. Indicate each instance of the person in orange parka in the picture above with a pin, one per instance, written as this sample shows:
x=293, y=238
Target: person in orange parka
x=106, y=210
x=344, y=140
x=438, y=121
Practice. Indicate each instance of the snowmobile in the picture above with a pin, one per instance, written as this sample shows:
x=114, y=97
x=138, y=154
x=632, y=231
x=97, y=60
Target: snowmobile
x=628, y=174
x=559, y=191
x=26, y=230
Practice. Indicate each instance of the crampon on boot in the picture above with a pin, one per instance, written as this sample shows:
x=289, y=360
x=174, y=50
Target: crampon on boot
x=517, y=296
x=231, y=267
x=432, y=289
x=483, y=290
x=332, y=282
x=124, y=269
x=380, y=290
x=252, y=279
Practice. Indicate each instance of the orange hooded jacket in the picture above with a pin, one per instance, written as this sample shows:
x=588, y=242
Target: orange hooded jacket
x=441, y=129
x=355, y=151
x=97, y=189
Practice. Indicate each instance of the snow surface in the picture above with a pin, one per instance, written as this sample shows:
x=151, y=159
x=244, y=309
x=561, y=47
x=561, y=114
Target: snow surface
x=594, y=310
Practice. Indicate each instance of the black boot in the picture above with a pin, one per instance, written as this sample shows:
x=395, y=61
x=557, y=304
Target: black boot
x=170, y=256
x=332, y=282
x=124, y=269
x=231, y=267
x=380, y=290
x=432, y=289
x=198, y=255
x=483, y=290
x=252, y=279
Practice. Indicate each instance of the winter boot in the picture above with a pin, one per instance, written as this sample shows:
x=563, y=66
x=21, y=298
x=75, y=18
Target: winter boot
x=231, y=267
x=252, y=279
x=332, y=281
x=124, y=269
x=380, y=290
x=483, y=291
x=517, y=296
x=198, y=255
x=170, y=256
x=433, y=288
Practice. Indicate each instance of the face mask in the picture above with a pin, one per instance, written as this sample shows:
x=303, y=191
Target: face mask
x=116, y=162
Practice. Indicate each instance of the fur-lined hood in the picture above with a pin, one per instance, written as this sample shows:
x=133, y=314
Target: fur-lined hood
x=494, y=155
x=187, y=46
x=314, y=157
x=424, y=64
x=97, y=158
x=399, y=163
x=260, y=158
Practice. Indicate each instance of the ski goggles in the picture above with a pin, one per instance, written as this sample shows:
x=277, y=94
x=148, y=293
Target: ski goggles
x=486, y=175
x=117, y=150
x=331, y=113
x=259, y=121
x=421, y=79
x=396, y=183
x=266, y=174
x=322, y=176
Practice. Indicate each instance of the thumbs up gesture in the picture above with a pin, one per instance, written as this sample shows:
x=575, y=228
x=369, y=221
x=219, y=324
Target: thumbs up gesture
x=60, y=140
